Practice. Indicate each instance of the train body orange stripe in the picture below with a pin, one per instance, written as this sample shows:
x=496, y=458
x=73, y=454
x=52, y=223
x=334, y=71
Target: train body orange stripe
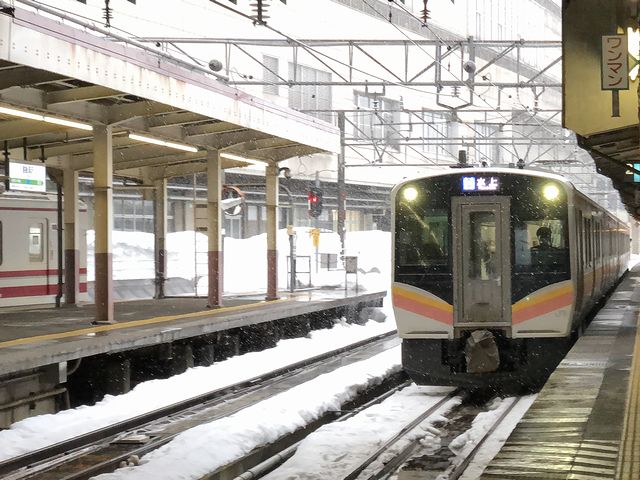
x=421, y=297
x=535, y=310
x=538, y=298
x=423, y=309
x=422, y=303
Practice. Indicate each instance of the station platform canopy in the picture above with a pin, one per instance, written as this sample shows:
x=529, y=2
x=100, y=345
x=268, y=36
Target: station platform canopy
x=600, y=90
x=60, y=76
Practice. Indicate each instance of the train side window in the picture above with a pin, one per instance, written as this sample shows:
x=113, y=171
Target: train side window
x=0, y=243
x=36, y=248
x=540, y=245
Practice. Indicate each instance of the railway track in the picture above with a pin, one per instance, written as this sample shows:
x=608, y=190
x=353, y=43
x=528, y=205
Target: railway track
x=105, y=449
x=431, y=466
x=405, y=445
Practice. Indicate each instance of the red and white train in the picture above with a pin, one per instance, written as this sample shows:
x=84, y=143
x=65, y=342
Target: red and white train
x=29, y=250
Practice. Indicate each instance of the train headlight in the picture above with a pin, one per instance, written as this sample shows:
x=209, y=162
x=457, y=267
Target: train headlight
x=551, y=192
x=410, y=194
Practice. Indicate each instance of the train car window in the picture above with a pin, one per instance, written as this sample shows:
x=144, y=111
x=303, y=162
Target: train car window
x=423, y=241
x=540, y=245
x=36, y=248
x=0, y=243
x=483, y=245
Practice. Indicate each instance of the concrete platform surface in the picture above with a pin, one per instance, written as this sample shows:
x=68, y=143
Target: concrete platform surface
x=42, y=336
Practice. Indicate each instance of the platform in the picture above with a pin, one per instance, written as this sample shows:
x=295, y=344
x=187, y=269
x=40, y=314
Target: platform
x=44, y=336
x=585, y=423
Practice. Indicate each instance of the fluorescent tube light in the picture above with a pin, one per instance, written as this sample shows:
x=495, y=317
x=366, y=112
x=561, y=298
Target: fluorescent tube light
x=45, y=118
x=240, y=158
x=157, y=141
x=21, y=113
x=67, y=123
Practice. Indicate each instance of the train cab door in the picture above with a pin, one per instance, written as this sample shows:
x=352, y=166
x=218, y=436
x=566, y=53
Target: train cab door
x=481, y=262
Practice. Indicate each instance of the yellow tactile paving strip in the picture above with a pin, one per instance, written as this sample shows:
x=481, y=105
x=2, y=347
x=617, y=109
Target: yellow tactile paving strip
x=629, y=458
x=135, y=323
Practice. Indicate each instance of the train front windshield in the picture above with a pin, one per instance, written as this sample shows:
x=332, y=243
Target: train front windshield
x=538, y=236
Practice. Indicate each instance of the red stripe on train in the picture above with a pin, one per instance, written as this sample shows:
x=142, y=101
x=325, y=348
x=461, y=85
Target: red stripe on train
x=34, y=273
x=34, y=290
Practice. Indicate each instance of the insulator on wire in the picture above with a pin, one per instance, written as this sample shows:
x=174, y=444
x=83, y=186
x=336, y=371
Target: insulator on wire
x=260, y=8
x=424, y=13
x=107, y=13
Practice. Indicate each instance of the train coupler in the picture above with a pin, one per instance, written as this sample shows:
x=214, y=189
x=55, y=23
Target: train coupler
x=481, y=352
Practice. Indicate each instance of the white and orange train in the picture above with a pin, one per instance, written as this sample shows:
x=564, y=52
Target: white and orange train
x=29, y=250
x=495, y=270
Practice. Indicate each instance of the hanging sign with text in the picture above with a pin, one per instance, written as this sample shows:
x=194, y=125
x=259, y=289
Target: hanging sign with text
x=615, y=65
x=27, y=177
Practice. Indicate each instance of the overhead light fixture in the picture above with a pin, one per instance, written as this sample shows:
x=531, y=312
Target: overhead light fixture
x=45, y=118
x=253, y=161
x=164, y=143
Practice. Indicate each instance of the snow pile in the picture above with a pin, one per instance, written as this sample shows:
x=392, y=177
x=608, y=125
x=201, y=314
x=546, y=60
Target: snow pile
x=208, y=447
x=40, y=431
x=187, y=258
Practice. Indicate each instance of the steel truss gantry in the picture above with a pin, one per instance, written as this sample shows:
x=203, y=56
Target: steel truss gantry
x=424, y=63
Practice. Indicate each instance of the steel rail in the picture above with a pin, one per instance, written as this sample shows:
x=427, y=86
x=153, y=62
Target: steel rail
x=279, y=458
x=459, y=469
x=402, y=433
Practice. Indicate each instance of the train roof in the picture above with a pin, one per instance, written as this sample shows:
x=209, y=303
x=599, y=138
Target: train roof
x=485, y=170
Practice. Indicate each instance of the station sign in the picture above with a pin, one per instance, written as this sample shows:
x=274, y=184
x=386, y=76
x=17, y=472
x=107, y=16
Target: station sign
x=27, y=177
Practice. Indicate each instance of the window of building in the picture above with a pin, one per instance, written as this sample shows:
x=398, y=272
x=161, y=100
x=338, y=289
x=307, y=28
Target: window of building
x=270, y=75
x=36, y=240
x=379, y=118
x=310, y=97
x=486, y=147
x=435, y=129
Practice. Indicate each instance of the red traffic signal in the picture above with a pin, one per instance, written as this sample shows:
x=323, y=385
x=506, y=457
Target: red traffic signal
x=315, y=202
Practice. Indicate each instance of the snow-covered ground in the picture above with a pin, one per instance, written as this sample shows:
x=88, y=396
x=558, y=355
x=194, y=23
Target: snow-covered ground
x=207, y=447
x=37, y=432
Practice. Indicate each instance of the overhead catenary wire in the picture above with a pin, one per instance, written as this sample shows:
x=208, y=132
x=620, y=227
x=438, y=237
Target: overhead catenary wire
x=389, y=82
x=519, y=101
